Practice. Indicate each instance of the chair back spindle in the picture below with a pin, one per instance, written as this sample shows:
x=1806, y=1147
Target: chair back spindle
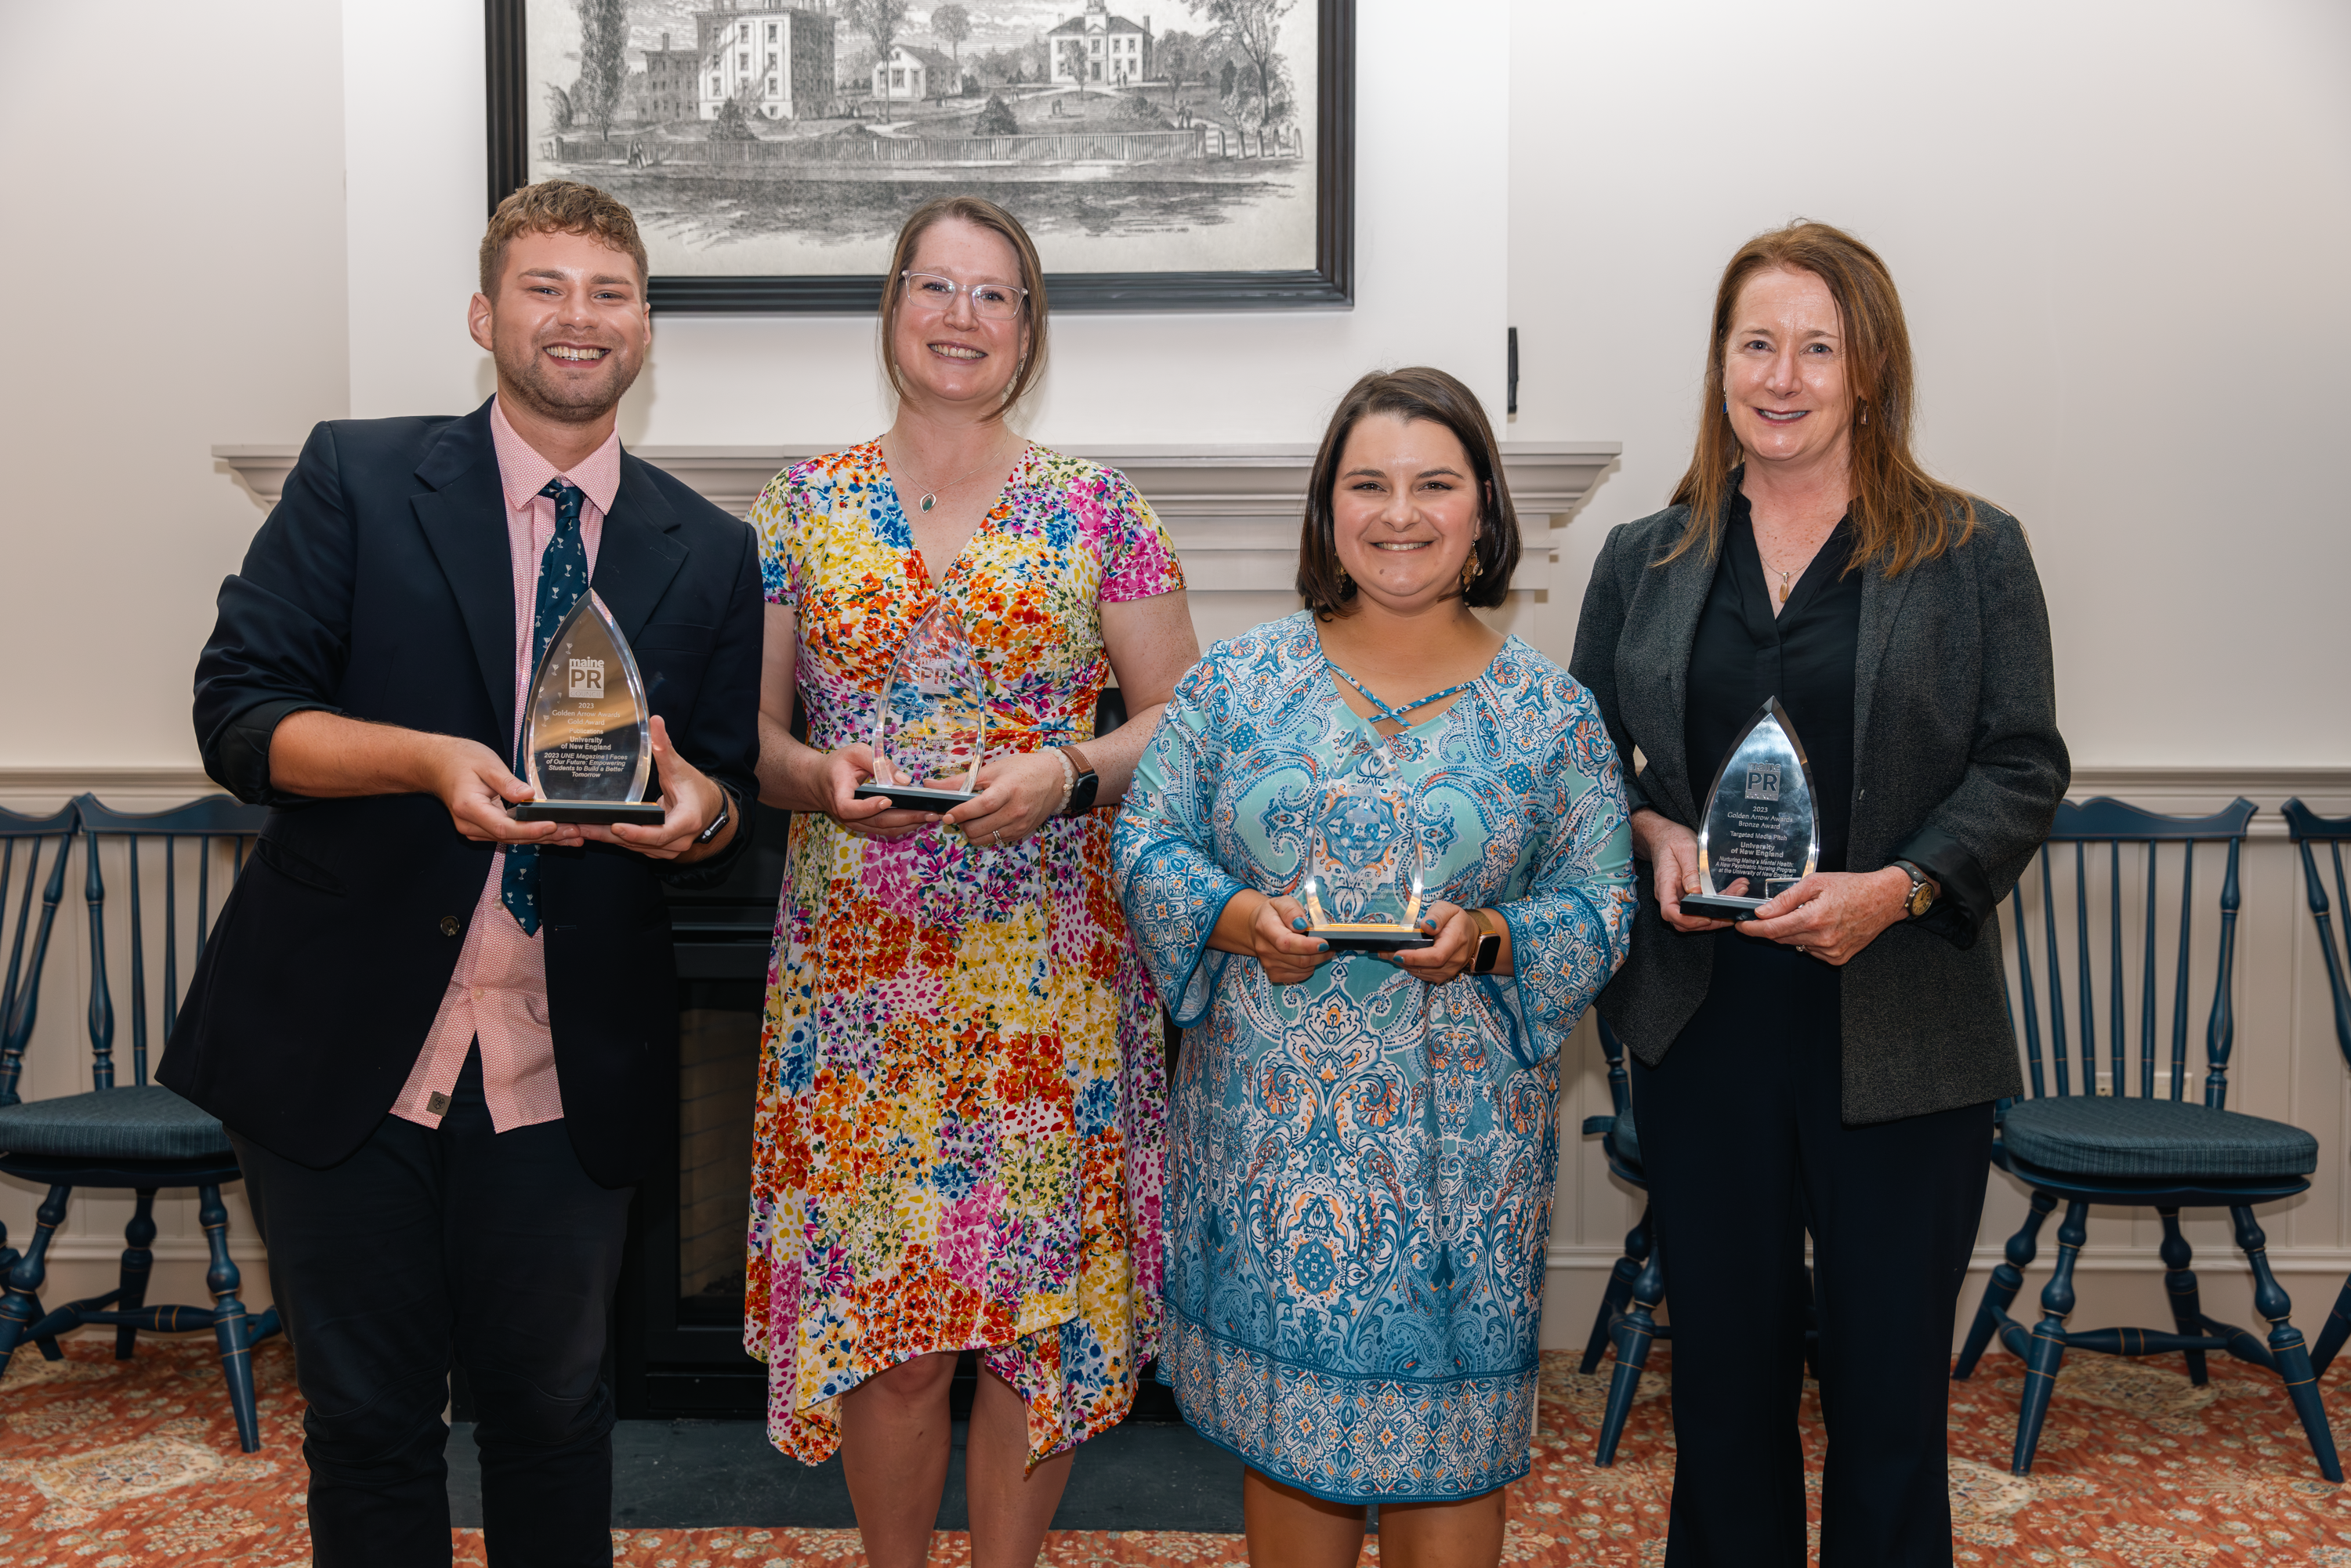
x=20, y=992
x=2221, y=1033
x=101, y=994
x=2076, y=1012
x=2309, y=830
x=212, y=826
x=2032, y=1005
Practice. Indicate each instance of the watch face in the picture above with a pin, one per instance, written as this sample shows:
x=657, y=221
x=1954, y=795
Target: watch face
x=1922, y=899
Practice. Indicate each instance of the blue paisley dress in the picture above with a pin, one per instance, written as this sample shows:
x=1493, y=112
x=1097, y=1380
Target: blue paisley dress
x=1361, y=1165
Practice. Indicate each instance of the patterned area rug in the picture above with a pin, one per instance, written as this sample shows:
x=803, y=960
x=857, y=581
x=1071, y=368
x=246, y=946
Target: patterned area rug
x=108, y=1465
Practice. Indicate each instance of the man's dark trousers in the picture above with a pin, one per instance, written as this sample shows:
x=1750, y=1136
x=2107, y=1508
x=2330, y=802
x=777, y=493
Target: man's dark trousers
x=490, y=1251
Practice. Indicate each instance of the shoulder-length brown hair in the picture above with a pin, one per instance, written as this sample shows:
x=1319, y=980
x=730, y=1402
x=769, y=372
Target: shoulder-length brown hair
x=1417, y=392
x=1901, y=515
x=980, y=213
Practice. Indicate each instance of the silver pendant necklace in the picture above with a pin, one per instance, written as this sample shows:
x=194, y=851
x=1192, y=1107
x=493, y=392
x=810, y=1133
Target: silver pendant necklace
x=930, y=497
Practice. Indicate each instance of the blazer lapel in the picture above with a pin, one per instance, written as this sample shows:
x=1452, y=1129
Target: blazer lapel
x=464, y=519
x=1881, y=607
x=1657, y=688
x=640, y=552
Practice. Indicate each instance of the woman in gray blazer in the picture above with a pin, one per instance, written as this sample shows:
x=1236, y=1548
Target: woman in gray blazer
x=1828, y=1066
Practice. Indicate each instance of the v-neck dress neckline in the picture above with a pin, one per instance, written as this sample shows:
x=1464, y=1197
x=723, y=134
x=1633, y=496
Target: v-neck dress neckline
x=918, y=569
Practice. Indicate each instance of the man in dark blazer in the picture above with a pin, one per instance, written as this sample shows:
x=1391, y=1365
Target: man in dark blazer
x=443, y=1042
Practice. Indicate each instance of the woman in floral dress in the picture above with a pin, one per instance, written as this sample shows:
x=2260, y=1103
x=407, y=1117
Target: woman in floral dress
x=1362, y=1148
x=958, y=1137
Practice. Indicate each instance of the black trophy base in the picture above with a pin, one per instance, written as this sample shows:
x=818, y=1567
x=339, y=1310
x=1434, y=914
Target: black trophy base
x=636, y=813
x=1370, y=938
x=1720, y=906
x=913, y=797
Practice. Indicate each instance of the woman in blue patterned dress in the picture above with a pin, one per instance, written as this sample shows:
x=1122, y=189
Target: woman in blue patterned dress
x=1361, y=1148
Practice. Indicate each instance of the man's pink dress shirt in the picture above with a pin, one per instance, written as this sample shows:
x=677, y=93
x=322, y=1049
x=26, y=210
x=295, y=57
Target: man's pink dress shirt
x=498, y=995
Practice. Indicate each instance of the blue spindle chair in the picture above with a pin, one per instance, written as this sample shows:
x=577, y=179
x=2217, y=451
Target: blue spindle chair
x=2309, y=832
x=1637, y=1284
x=2154, y=1150
x=140, y=1135
x=24, y=842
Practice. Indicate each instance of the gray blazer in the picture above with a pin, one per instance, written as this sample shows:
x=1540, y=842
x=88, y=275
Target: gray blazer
x=1958, y=766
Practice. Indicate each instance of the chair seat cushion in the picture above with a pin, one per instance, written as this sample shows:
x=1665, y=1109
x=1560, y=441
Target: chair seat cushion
x=2105, y=1135
x=1628, y=1138
x=145, y=1121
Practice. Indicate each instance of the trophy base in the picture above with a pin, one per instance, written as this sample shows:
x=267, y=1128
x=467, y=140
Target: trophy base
x=1720, y=906
x=636, y=813
x=1371, y=938
x=913, y=797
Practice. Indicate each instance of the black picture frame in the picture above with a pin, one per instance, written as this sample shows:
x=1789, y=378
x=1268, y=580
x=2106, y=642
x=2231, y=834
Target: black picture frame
x=1328, y=285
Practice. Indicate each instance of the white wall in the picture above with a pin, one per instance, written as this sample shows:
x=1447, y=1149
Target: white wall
x=169, y=280
x=2120, y=231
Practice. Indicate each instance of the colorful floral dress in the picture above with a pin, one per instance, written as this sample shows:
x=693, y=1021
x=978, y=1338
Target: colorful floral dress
x=1360, y=1164
x=962, y=1085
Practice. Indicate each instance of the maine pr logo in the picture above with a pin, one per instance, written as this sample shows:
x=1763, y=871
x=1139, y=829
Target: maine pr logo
x=588, y=681
x=1763, y=778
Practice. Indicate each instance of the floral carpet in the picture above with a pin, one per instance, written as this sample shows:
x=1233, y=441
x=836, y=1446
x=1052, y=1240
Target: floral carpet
x=108, y=1465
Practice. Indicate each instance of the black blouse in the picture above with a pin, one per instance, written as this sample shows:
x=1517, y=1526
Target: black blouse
x=1743, y=655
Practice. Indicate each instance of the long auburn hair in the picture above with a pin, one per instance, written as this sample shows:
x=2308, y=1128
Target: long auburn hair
x=1901, y=514
x=980, y=213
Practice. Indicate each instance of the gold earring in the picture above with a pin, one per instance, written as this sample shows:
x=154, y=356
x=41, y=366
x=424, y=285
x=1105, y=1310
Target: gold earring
x=1470, y=569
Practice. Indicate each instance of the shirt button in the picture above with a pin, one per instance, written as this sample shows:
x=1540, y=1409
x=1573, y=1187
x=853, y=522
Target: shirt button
x=479, y=993
x=448, y=926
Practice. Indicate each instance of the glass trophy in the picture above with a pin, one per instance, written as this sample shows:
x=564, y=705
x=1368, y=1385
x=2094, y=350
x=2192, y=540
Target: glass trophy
x=1363, y=888
x=1758, y=824
x=931, y=724
x=587, y=731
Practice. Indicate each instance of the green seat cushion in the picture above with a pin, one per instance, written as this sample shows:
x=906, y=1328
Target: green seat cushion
x=2105, y=1135
x=145, y=1122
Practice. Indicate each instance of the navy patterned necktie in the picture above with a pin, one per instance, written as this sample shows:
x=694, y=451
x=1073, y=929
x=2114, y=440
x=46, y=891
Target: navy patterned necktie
x=562, y=579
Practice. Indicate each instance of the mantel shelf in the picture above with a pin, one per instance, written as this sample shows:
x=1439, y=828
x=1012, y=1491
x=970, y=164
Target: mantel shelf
x=1232, y=510
x=1548, y=479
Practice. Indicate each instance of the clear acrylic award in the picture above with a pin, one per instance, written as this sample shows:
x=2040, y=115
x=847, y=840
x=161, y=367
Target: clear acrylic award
x=931, y=724
x=1362, y=887
x=1760, y=824
x=587, y=730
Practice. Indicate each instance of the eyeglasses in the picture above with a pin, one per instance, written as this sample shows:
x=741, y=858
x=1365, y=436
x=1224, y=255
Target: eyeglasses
x=989, y=301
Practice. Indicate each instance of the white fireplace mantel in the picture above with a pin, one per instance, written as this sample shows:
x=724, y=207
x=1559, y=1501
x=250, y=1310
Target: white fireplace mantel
x=1232, y=510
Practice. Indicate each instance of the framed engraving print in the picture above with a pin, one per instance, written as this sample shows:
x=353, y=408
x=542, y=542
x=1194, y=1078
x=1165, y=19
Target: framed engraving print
x=1191, y=154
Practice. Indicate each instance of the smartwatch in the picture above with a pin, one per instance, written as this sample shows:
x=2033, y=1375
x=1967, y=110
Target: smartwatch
x=1922, y=892
x=1086, y=786
x=1489, y=945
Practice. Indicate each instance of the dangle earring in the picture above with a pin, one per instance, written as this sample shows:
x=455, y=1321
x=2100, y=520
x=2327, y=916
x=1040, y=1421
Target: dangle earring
x=1470, y=568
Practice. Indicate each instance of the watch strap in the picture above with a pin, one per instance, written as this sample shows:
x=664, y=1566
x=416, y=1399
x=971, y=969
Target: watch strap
x=1084, y=784
x=1912, y=909
x=1489, y=945
x=726, y=812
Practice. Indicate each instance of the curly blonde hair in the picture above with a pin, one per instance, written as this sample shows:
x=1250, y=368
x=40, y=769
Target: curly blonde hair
x=560, y=207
